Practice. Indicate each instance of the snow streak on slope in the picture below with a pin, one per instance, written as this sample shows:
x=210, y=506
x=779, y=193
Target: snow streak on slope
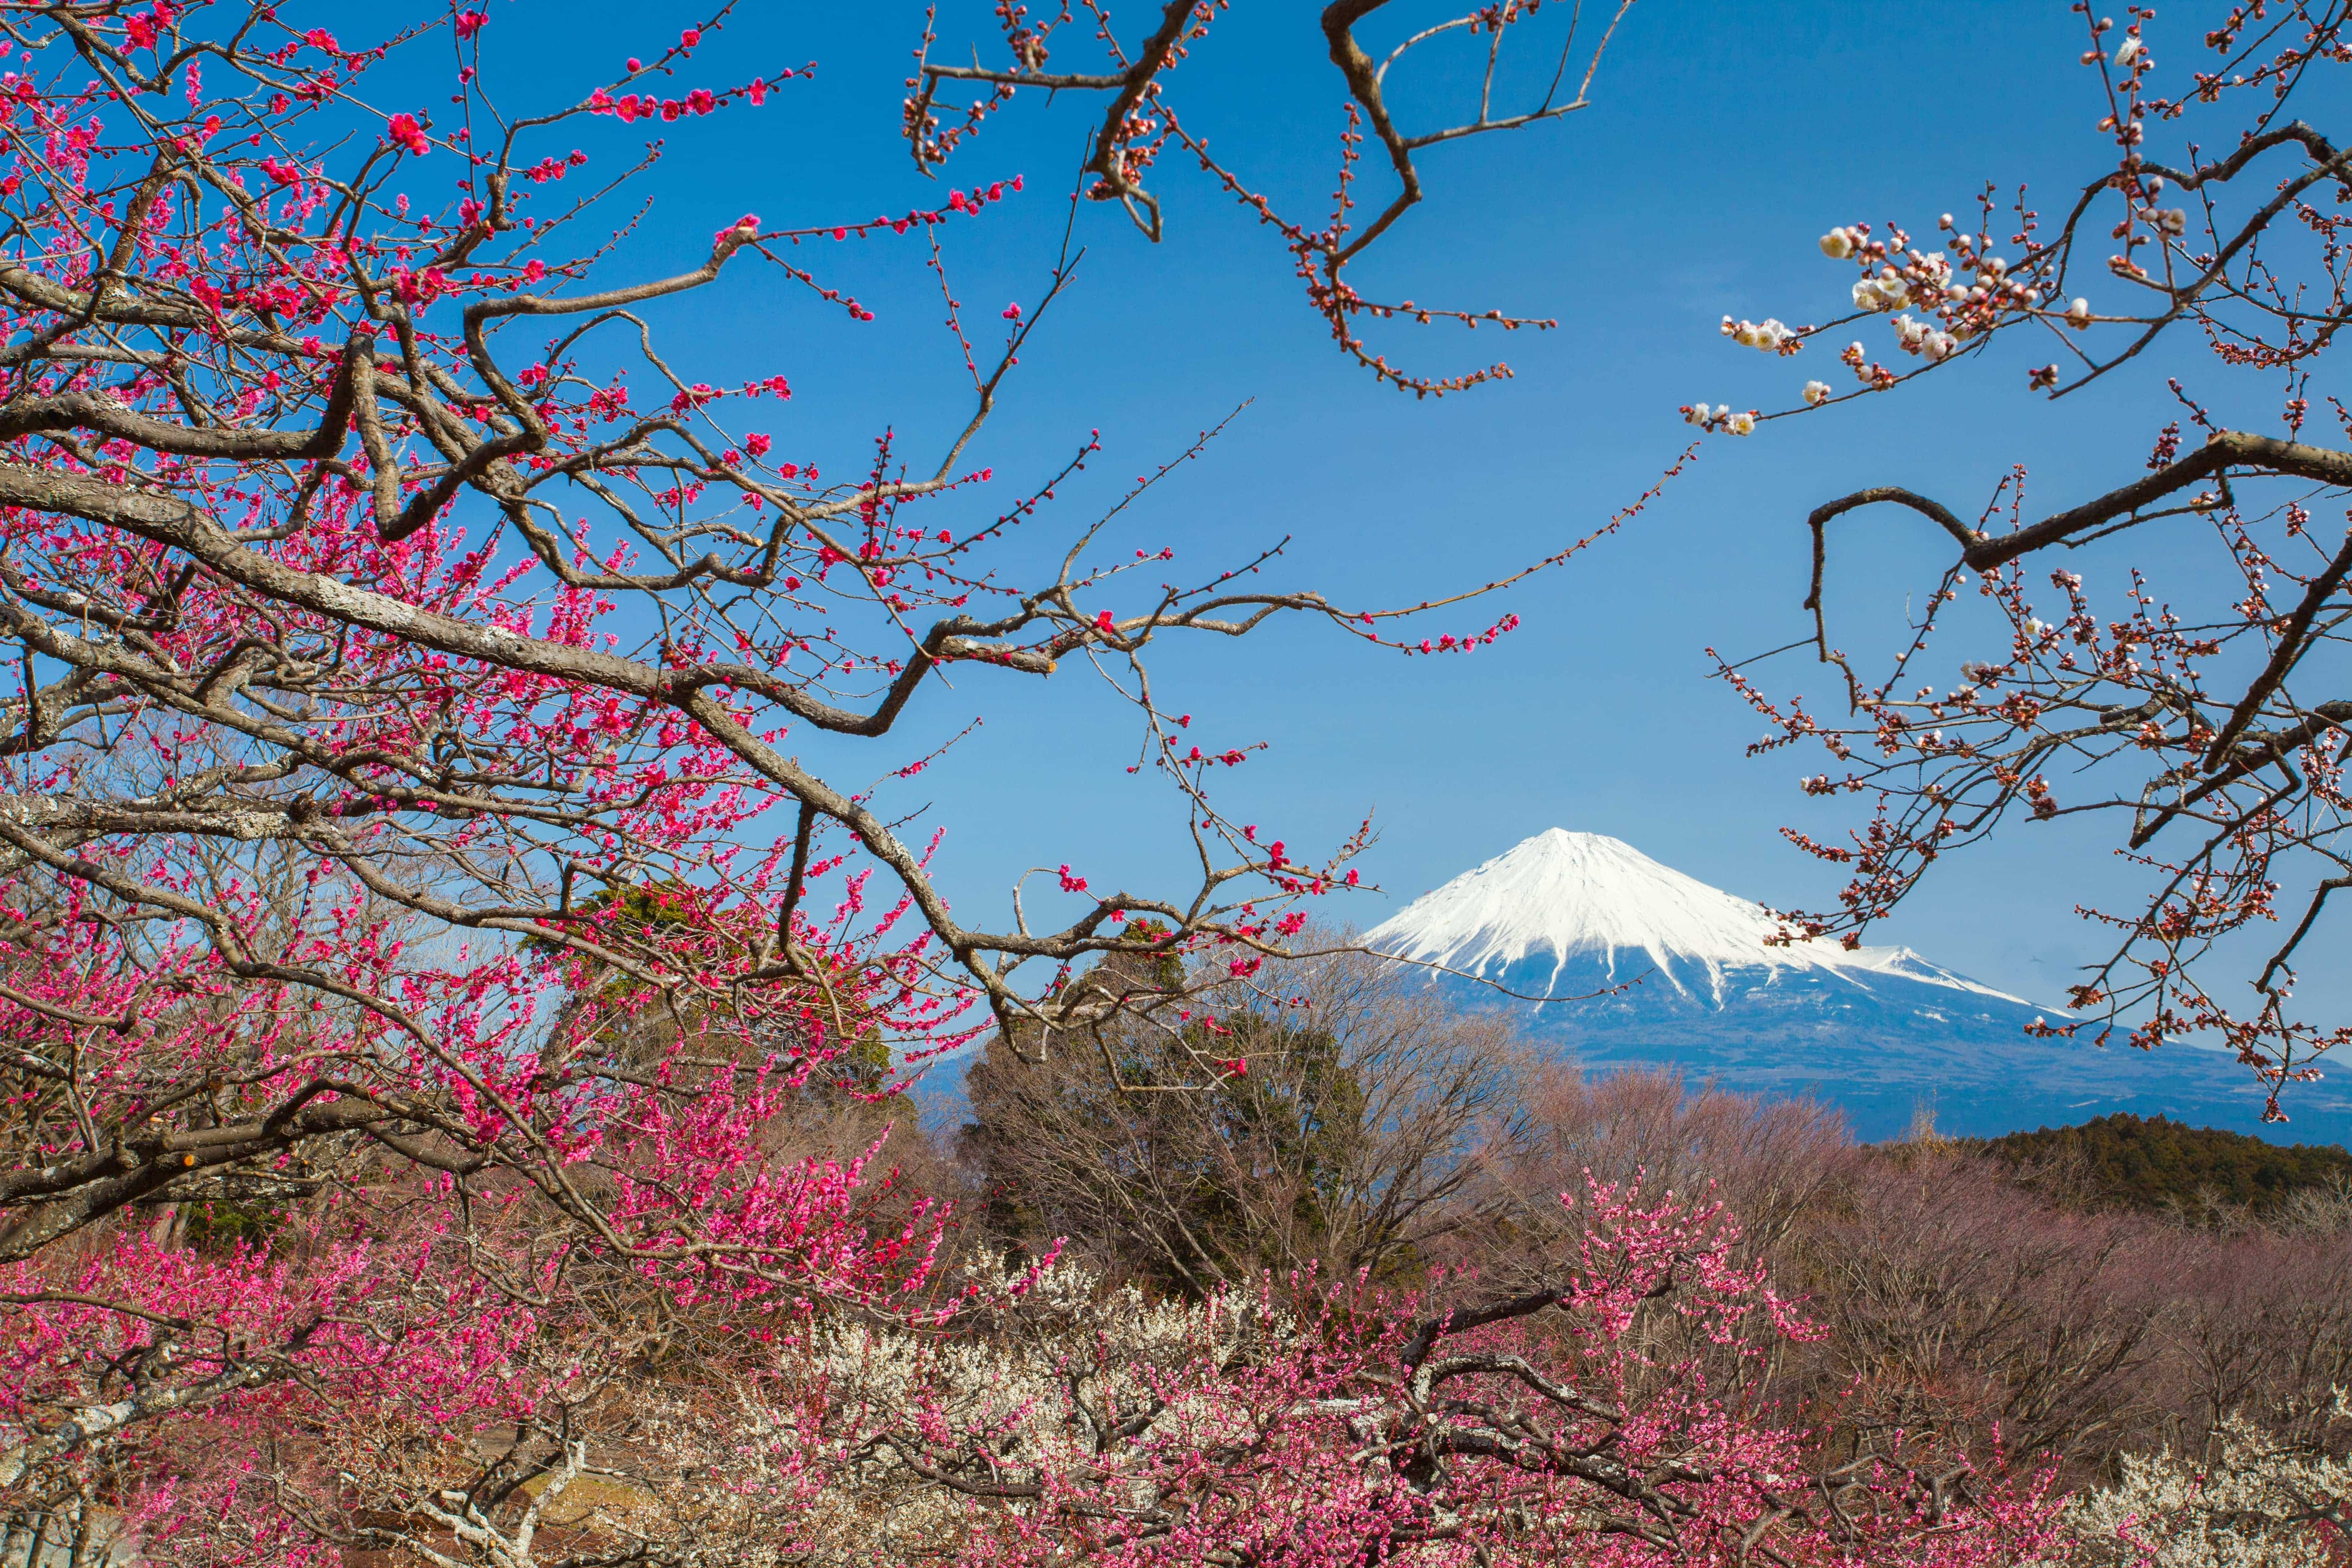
x=1584, y=896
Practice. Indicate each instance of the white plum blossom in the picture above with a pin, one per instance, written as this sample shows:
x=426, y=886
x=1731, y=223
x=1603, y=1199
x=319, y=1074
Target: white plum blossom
x=1719, y=418
x=2130, y=49
x=1944, y=303
x=2247, y=1507
x=1919, y=338
x=1065, y=1336
x=2078, y=314
x=1767, y=334
x=1890, y=290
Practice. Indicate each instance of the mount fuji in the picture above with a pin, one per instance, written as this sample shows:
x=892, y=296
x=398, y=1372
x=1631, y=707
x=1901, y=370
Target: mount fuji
x=1673, y=973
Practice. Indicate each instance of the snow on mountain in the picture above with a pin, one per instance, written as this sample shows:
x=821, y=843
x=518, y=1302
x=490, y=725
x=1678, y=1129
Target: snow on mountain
x=1585, y=896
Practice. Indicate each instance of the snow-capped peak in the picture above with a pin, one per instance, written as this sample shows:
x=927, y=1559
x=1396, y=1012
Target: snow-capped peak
x=1587, y=895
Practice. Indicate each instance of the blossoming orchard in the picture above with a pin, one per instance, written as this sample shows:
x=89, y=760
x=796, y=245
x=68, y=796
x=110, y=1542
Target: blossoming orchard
x=458, y=975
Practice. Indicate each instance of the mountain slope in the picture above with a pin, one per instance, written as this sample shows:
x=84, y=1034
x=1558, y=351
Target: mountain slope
x=1674, y=973
x=1584, y=896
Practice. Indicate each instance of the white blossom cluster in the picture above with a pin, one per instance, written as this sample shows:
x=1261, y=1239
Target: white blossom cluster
x=1767, y=334
x=2247, y=1506
x=1930, y=280
x=1956, y=297
x=1889, y=290
x=1720, y=418
x=1919, y=337
x=1005, y=1386
x=1958, y=300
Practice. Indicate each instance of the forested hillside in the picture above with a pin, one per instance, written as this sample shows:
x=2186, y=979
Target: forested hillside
x=2156, y=1164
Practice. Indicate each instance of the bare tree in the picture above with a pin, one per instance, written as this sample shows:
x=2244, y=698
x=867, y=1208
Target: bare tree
x=1770, y=1162
x=1960, y=1308
x=1345, y=1117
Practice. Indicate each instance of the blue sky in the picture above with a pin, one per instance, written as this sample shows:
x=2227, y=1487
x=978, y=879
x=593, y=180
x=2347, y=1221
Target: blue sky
x=1721, y=142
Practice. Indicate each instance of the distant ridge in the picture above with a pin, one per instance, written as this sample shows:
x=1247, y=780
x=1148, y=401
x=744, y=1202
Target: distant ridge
x=2154, y=1162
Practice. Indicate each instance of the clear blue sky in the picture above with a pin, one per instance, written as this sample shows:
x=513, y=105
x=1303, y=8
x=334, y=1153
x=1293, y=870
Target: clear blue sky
x=1723, y=140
